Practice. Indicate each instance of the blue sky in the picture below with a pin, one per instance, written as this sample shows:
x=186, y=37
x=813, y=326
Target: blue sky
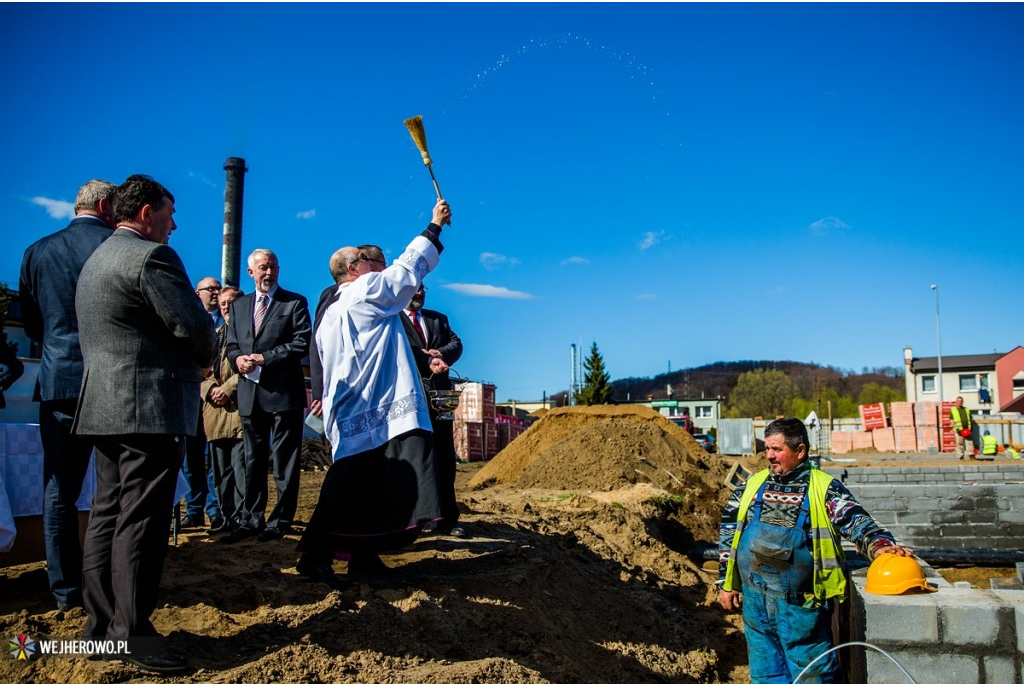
x=679, y=183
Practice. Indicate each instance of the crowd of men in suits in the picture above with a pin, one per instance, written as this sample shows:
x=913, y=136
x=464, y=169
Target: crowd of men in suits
x=152, y=377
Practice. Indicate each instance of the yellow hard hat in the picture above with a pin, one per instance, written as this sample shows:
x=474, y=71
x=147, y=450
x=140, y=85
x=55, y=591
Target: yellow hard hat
x=891, y=574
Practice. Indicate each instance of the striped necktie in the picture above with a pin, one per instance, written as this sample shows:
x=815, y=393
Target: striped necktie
x=261, y=311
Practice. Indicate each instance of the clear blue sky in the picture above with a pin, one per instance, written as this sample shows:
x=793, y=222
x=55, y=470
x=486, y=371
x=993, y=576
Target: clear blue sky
x=680, y=183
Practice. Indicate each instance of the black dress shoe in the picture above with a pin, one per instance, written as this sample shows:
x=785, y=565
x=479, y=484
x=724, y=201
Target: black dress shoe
x=318, y=573
x=368, y=565
x=221, y=526
x=270, y=534
x=238, y=536
x=164, y=662
x=192, y=522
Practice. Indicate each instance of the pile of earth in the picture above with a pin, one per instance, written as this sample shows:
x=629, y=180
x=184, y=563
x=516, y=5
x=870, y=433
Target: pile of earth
x=575, y=571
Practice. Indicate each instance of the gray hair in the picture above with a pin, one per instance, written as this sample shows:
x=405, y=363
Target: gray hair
x=92, y=192
x=260, y=250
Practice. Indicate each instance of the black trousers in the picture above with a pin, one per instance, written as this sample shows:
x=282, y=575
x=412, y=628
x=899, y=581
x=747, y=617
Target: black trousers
x=227, y=460
x=270, y=436
x=126, y=540
x=444, y=466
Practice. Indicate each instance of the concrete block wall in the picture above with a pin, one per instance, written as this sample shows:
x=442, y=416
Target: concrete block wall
x=964, y=507
x=955, y=635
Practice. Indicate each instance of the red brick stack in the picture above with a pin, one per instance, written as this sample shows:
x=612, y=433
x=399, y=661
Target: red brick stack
x=911, y=427
x=476, y=433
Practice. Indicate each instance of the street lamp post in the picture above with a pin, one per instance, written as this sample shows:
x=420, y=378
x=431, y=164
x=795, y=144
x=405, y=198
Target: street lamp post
x=938, y=340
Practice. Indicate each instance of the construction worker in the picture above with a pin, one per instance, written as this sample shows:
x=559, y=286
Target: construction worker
x=989, y=445
x=961, y=418
x=1010, y=451
x=779, y=544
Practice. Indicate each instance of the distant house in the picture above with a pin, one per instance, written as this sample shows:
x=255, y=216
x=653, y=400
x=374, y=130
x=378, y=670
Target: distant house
x=989, y=383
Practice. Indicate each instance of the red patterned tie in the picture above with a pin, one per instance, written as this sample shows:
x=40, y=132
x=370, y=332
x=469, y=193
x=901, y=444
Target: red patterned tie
x=415, y=316
x=261, y=311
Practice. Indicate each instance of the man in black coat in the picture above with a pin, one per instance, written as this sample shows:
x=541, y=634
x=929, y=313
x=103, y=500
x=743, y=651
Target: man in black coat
x=268, y=337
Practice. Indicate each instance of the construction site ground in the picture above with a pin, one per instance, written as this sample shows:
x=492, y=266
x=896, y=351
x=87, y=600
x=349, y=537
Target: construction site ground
x=575, y=570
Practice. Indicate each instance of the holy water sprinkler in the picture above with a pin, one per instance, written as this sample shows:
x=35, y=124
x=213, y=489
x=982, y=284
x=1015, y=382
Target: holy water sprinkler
x=419, y=136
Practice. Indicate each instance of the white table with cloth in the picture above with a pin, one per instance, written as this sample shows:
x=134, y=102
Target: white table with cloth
x=21, y=479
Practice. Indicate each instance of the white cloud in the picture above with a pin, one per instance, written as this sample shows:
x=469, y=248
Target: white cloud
x=308, y=214
x=58, y=209
x=480, y=290
x=828, y=225
x=575, y=260
x=492, y=260
x=651, y=238
x=202, y=178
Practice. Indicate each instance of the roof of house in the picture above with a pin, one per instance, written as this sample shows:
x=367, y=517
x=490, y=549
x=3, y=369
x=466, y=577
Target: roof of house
x=1016, y=405
x=985, y=362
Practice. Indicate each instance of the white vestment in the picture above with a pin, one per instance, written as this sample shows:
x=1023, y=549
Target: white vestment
x=372, y=389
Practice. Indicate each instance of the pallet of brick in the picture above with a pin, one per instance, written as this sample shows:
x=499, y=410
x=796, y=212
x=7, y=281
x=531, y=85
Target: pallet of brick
x=491, y=447
x=872, y=416
x=476, y=402
x=945, y=420
x=842, y=442
x=883, y=440
x=926, y=414
x=905, y=438
x=948, y=439
x=901, y=414
x=861, y=440
x=927, y=438
x=469, y=440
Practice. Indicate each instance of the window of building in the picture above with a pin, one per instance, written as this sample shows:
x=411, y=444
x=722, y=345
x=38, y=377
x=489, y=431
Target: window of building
x=703, y=411
x=968, y=382
x=927, y=383
x=1018, y=384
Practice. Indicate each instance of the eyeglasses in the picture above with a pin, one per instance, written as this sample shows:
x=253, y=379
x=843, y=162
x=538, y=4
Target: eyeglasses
x=210, y=288
x=366, y=258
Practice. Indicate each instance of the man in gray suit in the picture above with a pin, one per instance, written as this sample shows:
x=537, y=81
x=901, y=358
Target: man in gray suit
x=49, y=280
x=145, y=338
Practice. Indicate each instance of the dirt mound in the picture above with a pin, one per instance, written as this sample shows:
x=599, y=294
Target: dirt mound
x=606, y=448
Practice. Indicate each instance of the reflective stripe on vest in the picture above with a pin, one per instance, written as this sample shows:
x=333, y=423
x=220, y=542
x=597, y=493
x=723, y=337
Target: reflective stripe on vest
x=826, y=547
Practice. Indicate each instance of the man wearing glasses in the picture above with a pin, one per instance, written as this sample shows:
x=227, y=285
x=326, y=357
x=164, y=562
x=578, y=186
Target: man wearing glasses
x=382, y=487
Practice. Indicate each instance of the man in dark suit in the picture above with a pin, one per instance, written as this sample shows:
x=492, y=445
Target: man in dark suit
x=145, y=339
x=268, y=336
x=49, y=279
x=430, y=333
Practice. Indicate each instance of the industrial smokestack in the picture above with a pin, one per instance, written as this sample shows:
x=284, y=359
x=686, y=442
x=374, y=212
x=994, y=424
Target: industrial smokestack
x=234, y=190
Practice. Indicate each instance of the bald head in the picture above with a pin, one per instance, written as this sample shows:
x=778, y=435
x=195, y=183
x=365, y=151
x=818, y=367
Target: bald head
x=340, y=261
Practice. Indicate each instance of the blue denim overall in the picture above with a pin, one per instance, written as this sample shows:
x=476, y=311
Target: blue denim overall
x=783, y=635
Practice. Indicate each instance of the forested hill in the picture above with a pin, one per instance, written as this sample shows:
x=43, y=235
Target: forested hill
x=719, y=379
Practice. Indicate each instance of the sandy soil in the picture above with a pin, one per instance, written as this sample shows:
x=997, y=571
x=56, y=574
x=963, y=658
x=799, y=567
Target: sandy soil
x=575, y=571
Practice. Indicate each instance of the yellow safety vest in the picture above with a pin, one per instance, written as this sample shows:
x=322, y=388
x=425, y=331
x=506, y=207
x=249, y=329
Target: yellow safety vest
x=961, y=417
x=826, y=545
x=989, y=444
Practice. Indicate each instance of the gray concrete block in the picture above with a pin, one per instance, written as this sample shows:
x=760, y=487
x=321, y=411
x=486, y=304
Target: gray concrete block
x=1011, y=517
x=900, y=618
x=998, y=669
x=956, y=530
x=949, y=517
x=914, y=516
x=895, y=478
x=924, y=666
x=972, y=617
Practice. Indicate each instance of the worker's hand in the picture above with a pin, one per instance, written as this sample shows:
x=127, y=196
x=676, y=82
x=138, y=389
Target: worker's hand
x=442, y=213
x=730, y=600
x=316, y=408
x=437, y=365
x=893, y=549
x=432, y=353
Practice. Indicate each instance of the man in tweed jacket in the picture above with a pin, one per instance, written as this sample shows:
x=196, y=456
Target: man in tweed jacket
x=145, y=338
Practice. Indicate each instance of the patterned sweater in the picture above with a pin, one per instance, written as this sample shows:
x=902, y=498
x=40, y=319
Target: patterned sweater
x=780, y=505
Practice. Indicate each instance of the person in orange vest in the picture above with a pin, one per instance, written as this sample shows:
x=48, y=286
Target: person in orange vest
x=961, y=418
